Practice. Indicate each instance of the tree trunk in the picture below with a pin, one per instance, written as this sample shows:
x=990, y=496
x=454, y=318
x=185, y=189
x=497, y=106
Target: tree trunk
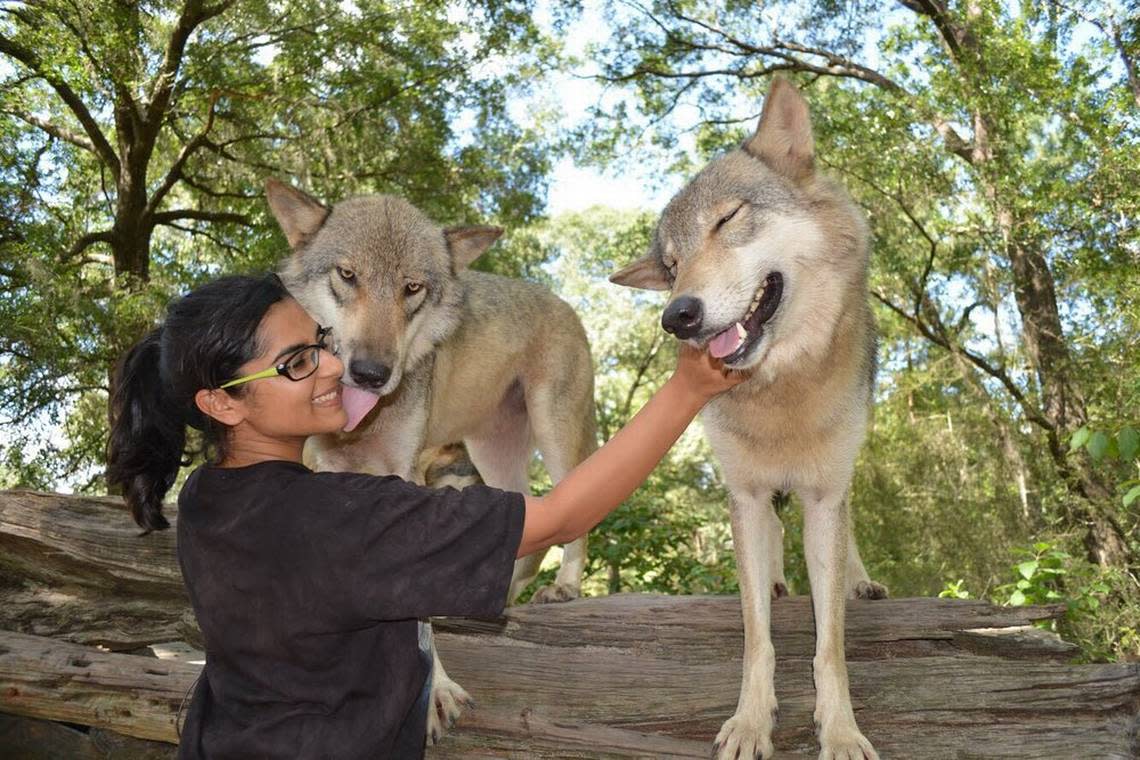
x=1062, y=402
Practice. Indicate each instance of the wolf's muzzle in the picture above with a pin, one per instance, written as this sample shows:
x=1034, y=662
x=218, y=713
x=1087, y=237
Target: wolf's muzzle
x=683, y=317
x=367, y=373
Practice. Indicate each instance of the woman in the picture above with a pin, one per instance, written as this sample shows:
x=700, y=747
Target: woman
x=308, y=586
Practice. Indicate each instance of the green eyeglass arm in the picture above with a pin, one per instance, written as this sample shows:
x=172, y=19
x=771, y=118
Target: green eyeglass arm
x=271, y=372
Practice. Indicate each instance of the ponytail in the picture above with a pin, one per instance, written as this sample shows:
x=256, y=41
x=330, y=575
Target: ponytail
x=148, y=433
x=208, y=334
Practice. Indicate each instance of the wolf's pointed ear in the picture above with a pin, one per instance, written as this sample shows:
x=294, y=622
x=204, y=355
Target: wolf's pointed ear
x=299, y=215
x=647, y=273
x=783, y=138
x=468, y=243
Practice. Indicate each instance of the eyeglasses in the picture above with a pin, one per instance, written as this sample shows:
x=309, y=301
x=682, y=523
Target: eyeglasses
x=297, y=365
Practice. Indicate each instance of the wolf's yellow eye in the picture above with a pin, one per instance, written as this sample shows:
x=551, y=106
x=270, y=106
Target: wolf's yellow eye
x=413, y=287
x=346, y=274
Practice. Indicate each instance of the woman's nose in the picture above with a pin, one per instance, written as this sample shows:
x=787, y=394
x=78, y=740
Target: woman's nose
x=332, y=365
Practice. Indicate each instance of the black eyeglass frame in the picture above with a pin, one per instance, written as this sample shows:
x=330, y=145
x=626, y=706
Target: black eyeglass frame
x=282, y=368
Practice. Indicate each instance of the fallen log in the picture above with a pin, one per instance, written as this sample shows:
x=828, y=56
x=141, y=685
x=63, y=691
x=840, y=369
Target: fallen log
x=621, y=676
x=76, y=568
x=595, y=678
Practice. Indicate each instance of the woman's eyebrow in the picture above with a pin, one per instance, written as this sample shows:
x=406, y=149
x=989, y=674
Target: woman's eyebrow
x=288, y=350
x=297, y=346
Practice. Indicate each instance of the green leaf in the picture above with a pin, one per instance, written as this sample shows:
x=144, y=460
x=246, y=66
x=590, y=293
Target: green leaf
x=1128, y=443
x=1097, y=445
x=1027, y=569
x=1017, y=599
x=1131, y=496
x=1080, y=437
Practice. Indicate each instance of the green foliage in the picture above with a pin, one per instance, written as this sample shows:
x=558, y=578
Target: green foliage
x=954, y=590
x=341, y=98
x=1102, y=605
x=1118, y=453
x=1039, y=577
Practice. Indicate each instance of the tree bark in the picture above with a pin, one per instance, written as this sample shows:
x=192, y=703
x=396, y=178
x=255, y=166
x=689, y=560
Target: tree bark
x=646, y=675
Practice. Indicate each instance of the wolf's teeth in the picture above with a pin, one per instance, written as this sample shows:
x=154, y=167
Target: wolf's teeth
x=740, y=331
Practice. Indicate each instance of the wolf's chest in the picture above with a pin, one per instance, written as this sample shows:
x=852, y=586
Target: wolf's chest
x=786, y=436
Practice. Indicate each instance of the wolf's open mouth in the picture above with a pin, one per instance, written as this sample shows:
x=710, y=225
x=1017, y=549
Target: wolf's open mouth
x=732, y=344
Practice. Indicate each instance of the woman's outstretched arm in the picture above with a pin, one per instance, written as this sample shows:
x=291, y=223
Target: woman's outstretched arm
x=598, y=485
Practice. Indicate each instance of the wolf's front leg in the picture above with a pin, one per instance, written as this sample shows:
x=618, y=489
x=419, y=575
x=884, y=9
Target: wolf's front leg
x=447, y=700
x=825, y=546
x=748, y=733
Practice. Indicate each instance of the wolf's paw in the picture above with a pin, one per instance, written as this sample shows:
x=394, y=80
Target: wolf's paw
x=447, y=702
x=869, y=590
x=745, y=737
x=845, y=744
x=555, y=592
x=779, y=589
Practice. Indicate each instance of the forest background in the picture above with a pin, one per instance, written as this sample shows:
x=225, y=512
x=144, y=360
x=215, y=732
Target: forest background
x=995, y=147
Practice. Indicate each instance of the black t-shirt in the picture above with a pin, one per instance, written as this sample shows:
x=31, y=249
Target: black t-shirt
x=307, y=587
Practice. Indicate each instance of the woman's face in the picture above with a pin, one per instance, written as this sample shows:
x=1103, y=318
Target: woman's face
x=279, y=408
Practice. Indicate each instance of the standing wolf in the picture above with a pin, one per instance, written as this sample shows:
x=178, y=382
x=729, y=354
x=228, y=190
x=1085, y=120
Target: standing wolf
x=767, y=263
x=435, y=353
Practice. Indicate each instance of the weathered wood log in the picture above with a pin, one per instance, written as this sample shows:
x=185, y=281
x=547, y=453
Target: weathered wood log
x=133, y=695
x=600, y=678
x=79, y=570
x=32, y=739
x=621, y=676
x=76, y=568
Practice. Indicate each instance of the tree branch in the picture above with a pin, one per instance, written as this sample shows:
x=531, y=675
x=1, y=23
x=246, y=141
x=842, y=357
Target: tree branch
x=789, y=53
x=206, y=234
x=62, y=133
x=194, y=13
x=201, y=187
x=837, y=65
x=1113, y=32
x=88, y=240
x=99, y=141
x=175, y=172
x=951, y=35
x=919, y=287
x=998, y=373
x=166, y=217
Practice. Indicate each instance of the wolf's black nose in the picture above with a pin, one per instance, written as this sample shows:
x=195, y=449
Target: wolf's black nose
x=683, y=317
x=369, y=374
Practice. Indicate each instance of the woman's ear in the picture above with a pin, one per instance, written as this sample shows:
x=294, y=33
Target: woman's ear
x=221, y=406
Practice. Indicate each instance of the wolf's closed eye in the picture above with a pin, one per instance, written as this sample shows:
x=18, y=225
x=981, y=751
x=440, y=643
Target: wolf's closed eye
x=725, y=219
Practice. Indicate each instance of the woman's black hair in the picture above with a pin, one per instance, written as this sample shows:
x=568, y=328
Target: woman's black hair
x=207, y=335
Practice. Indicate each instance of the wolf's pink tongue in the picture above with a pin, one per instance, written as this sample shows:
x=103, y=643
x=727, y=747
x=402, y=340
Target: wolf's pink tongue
x=357, y=403
x=725, y=342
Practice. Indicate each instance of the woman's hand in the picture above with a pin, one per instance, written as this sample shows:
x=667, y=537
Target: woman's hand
x=702, y=376
x=597, y=486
